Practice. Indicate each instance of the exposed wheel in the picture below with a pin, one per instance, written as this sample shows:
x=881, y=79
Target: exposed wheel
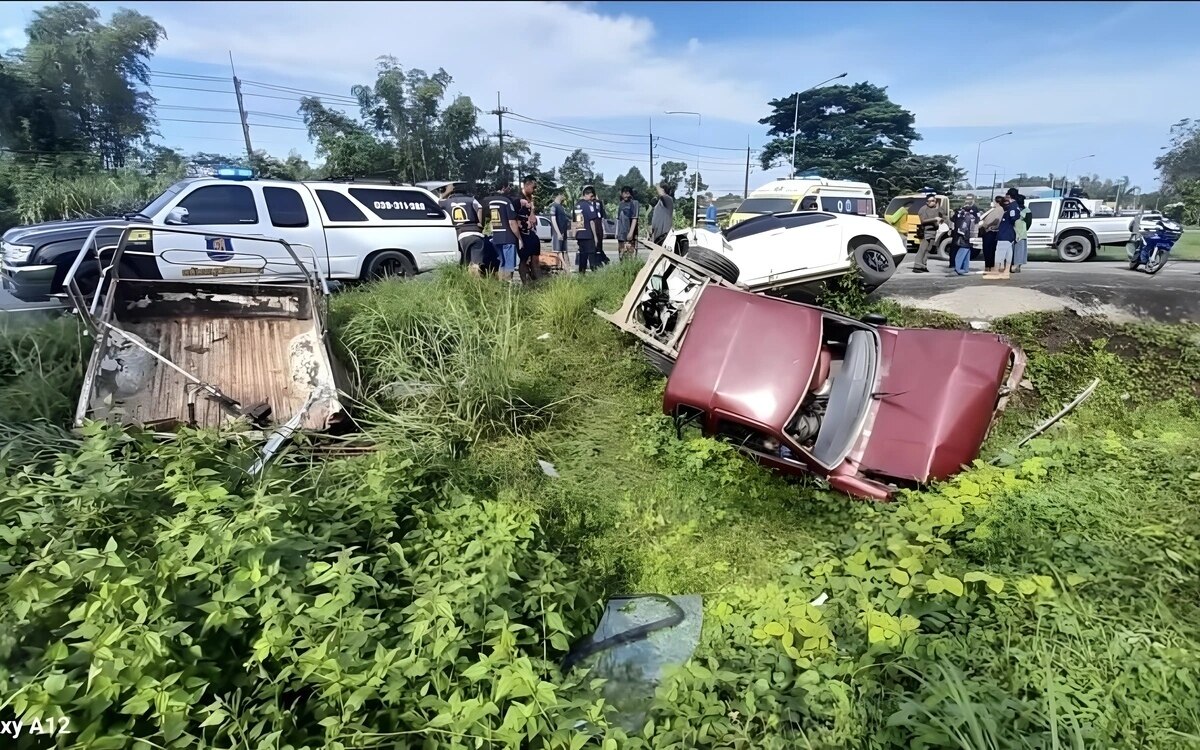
x=658, y=360
x=874, y=319
x=389, y=264
x=715, y=263
x=875, y=264
x=1155, y=263
x=1075, y=248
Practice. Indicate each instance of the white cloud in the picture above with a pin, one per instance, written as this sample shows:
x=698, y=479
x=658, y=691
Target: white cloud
x=547, y=59
x=11, y=37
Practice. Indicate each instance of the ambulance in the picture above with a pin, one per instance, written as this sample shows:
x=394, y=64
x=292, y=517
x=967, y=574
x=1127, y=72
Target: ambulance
x=807, y=193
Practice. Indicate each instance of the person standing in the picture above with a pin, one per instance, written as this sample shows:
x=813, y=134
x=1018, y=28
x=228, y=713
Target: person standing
x=930, y=217
x=590, y=227
x=530, y=246
x=662, y=218
x=966, y=220
x=560, y=224
x=1006, y=237
x=627, y=224
x=710, y=214
x=1021, y=246
x=952, y=254
x=988, y=224
x=466, y=214
x=502, y=215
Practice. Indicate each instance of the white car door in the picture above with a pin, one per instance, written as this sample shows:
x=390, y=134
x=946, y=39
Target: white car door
x=788, y=246
x=291, y=219
x=1041, y=228
x=216, y=209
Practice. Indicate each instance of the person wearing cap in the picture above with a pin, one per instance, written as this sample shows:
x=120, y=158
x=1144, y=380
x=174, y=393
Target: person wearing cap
x=466, y=214
x=710, y=214
x=1021, y=246
x=589, y=233
x=930, y=217
x=1006, y=237
x=502, y=214
x=627, y=224
x=530, y=246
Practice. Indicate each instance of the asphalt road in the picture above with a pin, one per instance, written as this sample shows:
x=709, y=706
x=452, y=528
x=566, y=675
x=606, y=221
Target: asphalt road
x=1172, y=295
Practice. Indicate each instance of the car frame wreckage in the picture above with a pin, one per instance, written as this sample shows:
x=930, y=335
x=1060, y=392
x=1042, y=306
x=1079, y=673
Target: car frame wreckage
x=809, y=391
x=242, y=342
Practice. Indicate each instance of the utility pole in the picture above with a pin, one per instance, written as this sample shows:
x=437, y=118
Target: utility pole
x=650, y=174
x=237, y=90
x=746, y=185
x=499, y=112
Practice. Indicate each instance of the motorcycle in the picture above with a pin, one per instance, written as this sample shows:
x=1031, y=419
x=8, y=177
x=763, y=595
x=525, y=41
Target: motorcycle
x=1150, y=249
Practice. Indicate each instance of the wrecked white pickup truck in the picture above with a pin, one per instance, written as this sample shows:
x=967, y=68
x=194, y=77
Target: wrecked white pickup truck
x=252, y=348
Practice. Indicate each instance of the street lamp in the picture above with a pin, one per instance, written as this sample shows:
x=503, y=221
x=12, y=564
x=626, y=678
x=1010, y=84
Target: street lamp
x=796, y=116
x=696, y=177
x=978, y=148
x=1081, y=158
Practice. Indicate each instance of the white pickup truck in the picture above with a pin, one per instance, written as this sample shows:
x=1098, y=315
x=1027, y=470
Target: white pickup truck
x=343, y=230
x=1066, y=225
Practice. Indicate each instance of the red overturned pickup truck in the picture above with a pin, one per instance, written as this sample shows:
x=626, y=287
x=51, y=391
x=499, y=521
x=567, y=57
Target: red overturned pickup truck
x=805, y=390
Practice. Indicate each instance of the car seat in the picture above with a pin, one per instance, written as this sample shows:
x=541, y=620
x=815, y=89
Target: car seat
x=820, y=380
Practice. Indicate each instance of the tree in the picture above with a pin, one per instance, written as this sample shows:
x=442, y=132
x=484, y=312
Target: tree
x=672, y=173
x=1181, y=162
x=855, y=133
x=840, y=128
x=576, y=171
x=637, y=184
x=270, y=168
x=86, y=81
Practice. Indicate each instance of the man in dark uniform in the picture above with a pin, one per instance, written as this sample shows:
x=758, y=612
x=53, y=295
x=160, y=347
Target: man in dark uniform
x=590, y=231
x=530, y=246
x=467, y=216
x=502, y=215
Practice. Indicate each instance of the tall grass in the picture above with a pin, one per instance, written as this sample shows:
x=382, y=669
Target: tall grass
x=41, y=196
x=41, y=367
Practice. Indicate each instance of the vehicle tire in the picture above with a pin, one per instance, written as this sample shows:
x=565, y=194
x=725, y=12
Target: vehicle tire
x=658, y=360
x=874, y=319
x=942, y=251
x=1075, y=248
x=714, y=263
x=875, y=264
x=1156, y=262
x=389, y=264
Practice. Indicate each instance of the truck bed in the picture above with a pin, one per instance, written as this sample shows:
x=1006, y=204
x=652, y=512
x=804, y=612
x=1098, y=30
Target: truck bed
x=255, y=345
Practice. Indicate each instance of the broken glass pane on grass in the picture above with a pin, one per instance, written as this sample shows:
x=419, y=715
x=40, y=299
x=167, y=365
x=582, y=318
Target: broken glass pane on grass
x=640, y=638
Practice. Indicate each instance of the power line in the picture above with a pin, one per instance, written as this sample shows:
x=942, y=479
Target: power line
x=580, y=130
x=185, y=76
x=189, y=88
x=219, y=122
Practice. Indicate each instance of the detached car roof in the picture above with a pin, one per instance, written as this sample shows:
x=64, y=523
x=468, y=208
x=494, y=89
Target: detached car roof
x=734, y=338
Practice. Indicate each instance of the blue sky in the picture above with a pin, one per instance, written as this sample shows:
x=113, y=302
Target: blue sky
x=1069, y=79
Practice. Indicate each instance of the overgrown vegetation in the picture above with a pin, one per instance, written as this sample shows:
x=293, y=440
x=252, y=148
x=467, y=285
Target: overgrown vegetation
x=424, y=595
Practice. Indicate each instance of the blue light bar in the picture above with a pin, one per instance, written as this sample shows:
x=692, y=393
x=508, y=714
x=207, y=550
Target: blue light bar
x=235, y=173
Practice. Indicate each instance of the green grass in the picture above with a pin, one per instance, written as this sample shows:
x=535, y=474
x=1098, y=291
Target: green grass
x=1049, y=599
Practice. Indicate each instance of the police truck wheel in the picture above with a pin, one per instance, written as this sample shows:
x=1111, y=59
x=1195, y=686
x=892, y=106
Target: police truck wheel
x=389, y=264
x=714, y=263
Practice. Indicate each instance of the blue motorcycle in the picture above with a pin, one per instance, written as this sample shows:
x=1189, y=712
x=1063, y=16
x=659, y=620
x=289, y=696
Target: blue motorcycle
x=1149, y=249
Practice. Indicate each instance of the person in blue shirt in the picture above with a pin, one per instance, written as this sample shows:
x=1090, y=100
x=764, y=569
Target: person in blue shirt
x=1006, y=237
x=502, y=214
x=710, y=214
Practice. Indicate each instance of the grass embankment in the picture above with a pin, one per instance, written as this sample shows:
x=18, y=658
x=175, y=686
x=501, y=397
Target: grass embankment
x=422, y=596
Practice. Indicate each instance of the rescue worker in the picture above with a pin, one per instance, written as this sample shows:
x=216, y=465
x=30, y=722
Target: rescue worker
x=530, y=246
x=502, y=215
x=931, y=218
x=466, y=214
x=589, y=232
x=627, y=224
x=560, y=224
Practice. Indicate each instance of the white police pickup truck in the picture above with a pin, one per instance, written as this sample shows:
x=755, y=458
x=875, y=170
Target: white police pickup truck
x=348, y=231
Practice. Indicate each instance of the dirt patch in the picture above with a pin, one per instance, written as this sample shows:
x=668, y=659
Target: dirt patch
x=1069, y=329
